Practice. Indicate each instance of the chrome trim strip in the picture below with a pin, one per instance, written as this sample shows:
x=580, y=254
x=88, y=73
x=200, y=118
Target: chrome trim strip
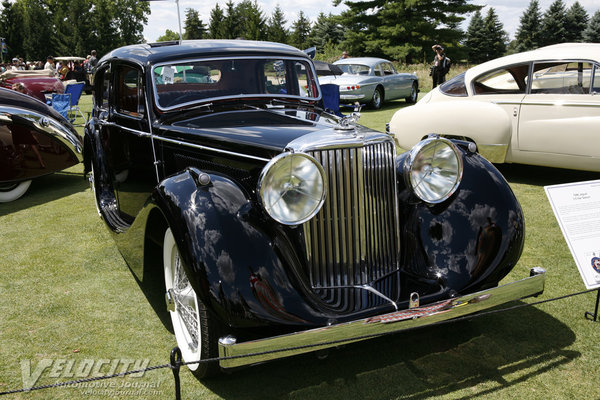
x=354, y=331
x=200, y=147
x=505, y=102
x=182, y=143
x=336, y=139
x=45, y=124
x=141, y=134
x=560, y=103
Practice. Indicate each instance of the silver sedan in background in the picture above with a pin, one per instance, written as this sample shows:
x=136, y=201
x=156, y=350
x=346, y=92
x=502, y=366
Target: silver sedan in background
x=373, y=81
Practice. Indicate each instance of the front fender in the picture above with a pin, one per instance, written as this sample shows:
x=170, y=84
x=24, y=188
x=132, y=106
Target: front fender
x=470, y=241
x=486, y=124
x=236, y=267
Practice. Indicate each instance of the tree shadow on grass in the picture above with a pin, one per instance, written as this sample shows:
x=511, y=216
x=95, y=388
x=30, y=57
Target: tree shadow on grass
x=484, y=355
x=543, y=176
x=46, y=189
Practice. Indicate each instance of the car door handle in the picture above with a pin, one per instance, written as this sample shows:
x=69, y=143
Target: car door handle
x=133, y=131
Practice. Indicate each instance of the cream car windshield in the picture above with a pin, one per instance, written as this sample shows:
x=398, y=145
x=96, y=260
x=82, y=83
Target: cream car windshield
x=179, y=84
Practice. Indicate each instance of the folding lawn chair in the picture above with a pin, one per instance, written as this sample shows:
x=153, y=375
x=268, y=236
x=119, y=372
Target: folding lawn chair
x=75, y=90
x=331, y=98
x=61, y=103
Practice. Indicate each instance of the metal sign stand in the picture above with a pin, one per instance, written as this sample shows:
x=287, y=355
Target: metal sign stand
x=594, y=317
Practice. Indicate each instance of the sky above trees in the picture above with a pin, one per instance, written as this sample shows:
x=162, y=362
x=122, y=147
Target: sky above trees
x=164, y=13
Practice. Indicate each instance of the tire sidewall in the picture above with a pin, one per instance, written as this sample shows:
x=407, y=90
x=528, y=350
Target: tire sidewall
x=15, y=192
x=377, y=100
x=169, y=252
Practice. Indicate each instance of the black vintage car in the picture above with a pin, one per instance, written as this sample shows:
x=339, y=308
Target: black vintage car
x=285, y=229
x=35, y=140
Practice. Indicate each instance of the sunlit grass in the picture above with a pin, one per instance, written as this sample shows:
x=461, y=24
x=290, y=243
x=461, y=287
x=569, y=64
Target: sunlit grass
x=66, y=293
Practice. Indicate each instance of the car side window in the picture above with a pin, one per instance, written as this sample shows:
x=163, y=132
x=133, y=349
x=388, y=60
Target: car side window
x=378, y=70
x=561, y=78
x=387, y=68
x=596, y=82
x=510, y=80
x=102, y=84
x=455, y=86
x=130, y=94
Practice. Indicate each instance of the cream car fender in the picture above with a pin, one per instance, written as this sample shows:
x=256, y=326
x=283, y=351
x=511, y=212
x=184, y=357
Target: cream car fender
x=486, y=124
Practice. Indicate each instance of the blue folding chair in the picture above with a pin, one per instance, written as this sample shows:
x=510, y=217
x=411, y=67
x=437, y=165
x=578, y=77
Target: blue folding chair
x=75, y=90
x=331, y=98
x=61, y=103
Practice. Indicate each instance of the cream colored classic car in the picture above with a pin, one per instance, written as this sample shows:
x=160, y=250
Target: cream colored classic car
x=540, y=107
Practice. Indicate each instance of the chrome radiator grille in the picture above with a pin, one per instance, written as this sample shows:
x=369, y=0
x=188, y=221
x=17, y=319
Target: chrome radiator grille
x=353, y=240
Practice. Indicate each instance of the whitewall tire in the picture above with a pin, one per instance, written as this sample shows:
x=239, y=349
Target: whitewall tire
x=195, y=330
x=13, y=192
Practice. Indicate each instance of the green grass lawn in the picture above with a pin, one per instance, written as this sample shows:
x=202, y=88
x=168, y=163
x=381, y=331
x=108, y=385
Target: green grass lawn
x=67, y=294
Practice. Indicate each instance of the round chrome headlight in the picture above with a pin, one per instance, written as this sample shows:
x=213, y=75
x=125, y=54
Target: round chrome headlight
x=292, y=188
x=433, y=169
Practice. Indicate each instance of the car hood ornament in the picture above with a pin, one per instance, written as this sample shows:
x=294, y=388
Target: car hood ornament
x=349, y=122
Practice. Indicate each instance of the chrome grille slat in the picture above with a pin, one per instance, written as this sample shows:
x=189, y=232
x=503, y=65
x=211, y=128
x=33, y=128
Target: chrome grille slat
x=353, y=240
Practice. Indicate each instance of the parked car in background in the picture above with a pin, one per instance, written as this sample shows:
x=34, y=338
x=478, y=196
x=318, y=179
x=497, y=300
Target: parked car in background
x=34, y=141
x=372, y=81
x=73, y=69
x=37, y=83
x=540, y=107
x=277, y=224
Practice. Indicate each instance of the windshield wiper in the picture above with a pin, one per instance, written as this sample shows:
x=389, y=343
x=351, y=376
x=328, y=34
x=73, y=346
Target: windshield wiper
x=298, y=102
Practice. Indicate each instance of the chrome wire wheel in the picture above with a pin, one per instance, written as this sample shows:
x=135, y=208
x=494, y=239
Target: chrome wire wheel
x=195, y=331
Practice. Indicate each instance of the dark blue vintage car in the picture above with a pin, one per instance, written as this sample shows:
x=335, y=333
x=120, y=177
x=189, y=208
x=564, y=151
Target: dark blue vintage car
x=281, y=225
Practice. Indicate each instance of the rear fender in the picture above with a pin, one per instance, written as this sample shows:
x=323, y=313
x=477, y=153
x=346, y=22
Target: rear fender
x=30, y=129
x=486, y=124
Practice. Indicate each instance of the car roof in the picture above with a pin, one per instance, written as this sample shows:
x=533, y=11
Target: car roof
x=562, y=51
x=166, y=51
x=370, y=61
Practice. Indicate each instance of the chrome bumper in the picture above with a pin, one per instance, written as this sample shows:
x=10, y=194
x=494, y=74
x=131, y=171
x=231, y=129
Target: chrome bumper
x=351, y=97
x=329, y=336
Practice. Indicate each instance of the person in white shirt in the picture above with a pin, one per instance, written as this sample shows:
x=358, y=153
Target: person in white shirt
x=50, y=63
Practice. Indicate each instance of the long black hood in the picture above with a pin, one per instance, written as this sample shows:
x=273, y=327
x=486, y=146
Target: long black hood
x=260, y=133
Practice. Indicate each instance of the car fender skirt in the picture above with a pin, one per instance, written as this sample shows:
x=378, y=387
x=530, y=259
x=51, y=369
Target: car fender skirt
x=234, y=263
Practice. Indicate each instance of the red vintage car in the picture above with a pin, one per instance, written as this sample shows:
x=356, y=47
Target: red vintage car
x=37, y=83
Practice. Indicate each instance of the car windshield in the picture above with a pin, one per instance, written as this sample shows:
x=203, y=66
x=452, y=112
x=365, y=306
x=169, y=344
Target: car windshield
x=355, y=69
x=183, y=83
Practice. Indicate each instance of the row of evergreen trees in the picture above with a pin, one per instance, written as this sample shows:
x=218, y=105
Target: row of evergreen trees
x=35, y=29
x=371, y=28
x=486, y=39
x=399, y=30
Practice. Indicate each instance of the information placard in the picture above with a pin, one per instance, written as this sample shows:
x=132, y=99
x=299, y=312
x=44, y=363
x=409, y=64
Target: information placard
x=577, y=209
